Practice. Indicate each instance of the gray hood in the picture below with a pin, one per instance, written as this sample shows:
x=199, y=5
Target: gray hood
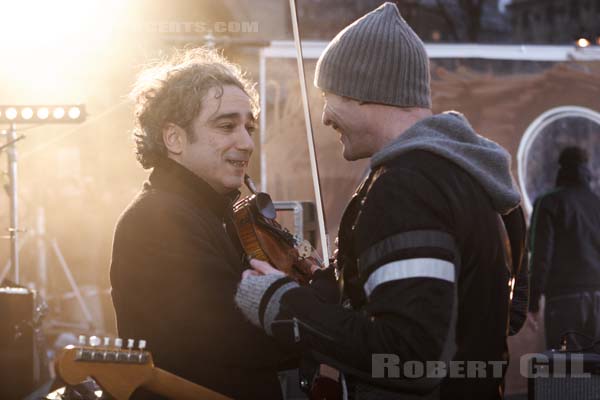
x=449, y=135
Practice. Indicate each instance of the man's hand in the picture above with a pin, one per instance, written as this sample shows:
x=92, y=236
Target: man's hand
x=260, y=268
x=264, y=268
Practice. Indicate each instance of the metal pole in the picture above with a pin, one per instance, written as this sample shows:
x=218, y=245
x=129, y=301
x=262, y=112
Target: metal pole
x=262, y=82
x=13, y=229
x=40, y=232
x=8, y=264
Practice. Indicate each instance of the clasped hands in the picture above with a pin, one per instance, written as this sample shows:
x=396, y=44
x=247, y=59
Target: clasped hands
x=264, y=268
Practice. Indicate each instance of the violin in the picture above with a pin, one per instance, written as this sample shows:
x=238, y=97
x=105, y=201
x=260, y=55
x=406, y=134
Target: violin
x=263, y=238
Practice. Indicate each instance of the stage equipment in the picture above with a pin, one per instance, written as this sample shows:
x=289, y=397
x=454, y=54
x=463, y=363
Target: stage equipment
x=562, y=375
x=43, y=114
x=18, y=358
x=39, y=114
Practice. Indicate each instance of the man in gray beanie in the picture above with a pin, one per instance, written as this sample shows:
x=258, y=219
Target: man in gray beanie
x=424, y=301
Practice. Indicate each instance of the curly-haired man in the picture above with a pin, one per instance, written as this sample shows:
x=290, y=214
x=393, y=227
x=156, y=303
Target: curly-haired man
x=174, y=267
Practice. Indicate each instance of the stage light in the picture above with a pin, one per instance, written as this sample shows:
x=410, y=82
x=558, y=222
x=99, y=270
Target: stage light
x=57, y=114
x=11, y=113
x=582, y=43
x=29, y=114
x=74, y=112
x=26, y=113
x=43, y=113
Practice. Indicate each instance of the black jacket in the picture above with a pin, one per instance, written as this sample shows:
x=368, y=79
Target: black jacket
x=417, y=318
x=565, y=241
x=174, y=273
x=423, y=268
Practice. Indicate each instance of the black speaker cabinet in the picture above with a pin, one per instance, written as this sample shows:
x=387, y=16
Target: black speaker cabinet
x=16, y=342
x=555, y=375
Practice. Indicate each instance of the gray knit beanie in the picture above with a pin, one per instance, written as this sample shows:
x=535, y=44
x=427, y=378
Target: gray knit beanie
x=379, y=59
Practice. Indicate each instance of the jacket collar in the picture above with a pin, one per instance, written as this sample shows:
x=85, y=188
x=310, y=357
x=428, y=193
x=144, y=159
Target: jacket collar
x=170, y=176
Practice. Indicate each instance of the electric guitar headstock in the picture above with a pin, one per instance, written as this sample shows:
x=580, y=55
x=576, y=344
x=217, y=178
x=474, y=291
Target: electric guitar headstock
x=119, y=371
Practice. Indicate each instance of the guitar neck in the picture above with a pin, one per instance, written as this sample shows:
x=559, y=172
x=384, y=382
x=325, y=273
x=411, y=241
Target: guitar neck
x=174, y=387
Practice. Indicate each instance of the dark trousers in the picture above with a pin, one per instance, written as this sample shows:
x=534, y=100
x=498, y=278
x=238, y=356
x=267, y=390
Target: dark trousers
x=579, y=312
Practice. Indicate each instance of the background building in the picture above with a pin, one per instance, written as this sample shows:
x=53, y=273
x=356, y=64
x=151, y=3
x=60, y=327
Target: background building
x=555, y=21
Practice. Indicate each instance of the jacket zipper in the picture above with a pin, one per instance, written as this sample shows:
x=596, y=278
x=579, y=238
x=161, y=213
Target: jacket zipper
x=296, y=329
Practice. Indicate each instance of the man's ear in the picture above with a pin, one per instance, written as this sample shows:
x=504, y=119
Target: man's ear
x=174, y=138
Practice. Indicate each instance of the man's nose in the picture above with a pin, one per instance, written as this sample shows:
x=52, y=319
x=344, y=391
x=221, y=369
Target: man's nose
x=245, y=141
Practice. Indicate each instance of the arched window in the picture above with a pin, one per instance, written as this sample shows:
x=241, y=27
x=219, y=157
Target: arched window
x=544, y=139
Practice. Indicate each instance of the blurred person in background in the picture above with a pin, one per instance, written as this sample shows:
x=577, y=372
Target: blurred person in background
x=565, y=255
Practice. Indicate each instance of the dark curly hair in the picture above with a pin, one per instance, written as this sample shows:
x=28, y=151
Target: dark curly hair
x=172, y=91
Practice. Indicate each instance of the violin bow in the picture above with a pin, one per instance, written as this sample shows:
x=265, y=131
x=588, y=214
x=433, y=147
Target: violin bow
x=314, y=166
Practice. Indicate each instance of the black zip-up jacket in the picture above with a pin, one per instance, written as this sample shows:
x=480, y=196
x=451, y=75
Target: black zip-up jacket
x=416, y=318
x=174, y=273
x=565, y=242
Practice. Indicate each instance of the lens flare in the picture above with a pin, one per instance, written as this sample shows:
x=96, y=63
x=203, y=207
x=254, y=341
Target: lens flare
x=583, y=42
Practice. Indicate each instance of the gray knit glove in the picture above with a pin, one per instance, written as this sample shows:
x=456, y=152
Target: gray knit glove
x=259, y=296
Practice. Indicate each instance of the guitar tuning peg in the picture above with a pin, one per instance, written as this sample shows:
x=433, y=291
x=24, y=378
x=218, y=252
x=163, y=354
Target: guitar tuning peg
x=106, y=341
x=95, y=341
x=82, y=340
x=118, y=342
x=130, y=343
x=142, y=344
